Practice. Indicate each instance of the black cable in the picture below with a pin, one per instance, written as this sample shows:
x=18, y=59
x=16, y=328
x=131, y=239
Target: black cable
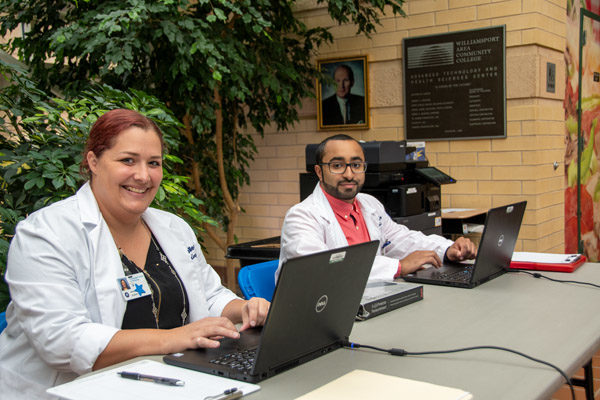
x=402, y=352
x=538, y=275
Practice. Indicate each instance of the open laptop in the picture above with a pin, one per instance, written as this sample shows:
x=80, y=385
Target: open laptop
x=312, y=312
x=495, y=250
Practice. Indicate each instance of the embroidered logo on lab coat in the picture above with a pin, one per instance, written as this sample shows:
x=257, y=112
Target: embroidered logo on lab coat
x=192, y=251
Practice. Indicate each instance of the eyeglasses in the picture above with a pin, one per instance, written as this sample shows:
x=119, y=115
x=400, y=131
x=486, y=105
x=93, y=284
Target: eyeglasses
x=338, y=167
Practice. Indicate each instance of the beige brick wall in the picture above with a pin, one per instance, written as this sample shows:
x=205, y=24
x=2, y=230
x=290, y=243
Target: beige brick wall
x=490, y=172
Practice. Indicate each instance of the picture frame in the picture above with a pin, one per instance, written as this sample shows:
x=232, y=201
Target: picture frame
x=343, y=100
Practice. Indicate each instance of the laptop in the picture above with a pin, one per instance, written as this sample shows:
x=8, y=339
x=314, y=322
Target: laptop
x=495, y=251
x=312, y=313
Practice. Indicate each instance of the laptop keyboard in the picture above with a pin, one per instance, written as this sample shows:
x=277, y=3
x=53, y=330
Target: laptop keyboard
x=462, y=275
x=241, y=360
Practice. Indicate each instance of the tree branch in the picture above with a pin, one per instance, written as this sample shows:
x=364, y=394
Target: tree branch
x=232, y=206
x=210, y=230
x=188, y=132
x=229, y=202
x=187, y=128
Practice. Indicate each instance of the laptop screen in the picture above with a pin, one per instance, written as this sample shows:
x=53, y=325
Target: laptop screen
x=315, y=302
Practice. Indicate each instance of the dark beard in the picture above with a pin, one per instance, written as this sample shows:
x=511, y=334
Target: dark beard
x=339, y=194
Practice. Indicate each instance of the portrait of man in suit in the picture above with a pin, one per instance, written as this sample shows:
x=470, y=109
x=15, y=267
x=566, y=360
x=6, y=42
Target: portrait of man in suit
x=343, y=108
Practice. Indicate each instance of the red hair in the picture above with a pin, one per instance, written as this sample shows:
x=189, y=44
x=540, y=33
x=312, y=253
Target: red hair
x=106, y=129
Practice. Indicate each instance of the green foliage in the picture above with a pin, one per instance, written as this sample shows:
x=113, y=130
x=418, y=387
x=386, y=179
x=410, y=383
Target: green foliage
x=41, y=144
x=255, y=53
x=364, y=14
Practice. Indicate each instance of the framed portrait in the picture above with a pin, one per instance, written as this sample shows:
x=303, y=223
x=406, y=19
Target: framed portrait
x=343, y=98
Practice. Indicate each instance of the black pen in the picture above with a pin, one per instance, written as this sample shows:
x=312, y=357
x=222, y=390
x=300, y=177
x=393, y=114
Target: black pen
x=151, y=378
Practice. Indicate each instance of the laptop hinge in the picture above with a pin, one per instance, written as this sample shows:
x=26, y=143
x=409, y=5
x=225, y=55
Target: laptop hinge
x=307, y=357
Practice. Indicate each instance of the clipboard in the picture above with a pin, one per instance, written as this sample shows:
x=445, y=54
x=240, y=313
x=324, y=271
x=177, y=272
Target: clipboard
x=547, y=262
x=109, y=385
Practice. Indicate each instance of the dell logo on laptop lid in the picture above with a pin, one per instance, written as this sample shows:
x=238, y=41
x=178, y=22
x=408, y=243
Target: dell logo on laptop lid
x=321, y=303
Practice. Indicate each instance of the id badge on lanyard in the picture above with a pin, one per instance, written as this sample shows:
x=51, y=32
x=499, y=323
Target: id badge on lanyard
x=134, y=286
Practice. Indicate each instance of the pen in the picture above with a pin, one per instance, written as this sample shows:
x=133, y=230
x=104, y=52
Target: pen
x=150, y=378
x=229, y=394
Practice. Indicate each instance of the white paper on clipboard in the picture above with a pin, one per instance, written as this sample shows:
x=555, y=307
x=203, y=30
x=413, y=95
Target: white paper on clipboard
x=544, y=258
x=109, y=385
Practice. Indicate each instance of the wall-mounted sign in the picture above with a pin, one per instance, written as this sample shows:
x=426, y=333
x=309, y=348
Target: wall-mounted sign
x=454, y=85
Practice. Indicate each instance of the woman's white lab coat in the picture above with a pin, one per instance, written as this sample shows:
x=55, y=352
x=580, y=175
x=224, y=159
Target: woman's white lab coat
x=63, y=270
x=311, y=226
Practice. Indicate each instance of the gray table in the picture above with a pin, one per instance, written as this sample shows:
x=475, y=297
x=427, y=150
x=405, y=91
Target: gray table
x=556, y=322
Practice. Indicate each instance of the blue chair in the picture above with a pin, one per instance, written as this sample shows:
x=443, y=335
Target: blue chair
x=2, y=321
x=258, y=280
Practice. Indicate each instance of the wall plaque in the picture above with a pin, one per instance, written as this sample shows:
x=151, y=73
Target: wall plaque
x=454, y=85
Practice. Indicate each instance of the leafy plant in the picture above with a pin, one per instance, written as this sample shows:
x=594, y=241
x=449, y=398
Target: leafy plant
x=41, y=144
x=225, y=68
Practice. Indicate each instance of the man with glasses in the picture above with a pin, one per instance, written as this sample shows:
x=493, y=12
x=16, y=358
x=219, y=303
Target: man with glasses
x=337, y=215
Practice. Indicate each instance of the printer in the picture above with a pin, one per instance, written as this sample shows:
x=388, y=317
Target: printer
x=410, y=190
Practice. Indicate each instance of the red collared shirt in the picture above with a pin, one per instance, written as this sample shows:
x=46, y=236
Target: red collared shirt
x=351, y=221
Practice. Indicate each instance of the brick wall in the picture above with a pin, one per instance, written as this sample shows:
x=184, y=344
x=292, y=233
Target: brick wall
x=489, y=172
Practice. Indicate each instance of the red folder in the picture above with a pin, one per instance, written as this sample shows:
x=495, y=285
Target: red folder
x=570, y=264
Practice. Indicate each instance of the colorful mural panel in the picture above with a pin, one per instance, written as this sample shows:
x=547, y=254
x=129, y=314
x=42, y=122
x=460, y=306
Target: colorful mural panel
x=582, y=185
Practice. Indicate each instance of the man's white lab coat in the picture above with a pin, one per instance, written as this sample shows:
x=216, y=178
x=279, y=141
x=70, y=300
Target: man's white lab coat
x=311, y=226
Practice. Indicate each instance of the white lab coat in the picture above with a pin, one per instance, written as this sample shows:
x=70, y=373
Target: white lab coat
x=66, y=305
x=311, y=226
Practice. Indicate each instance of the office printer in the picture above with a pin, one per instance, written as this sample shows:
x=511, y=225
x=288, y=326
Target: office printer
x=410, y=190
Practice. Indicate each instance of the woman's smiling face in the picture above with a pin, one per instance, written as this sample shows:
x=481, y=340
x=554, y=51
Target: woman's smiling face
x=126, y=177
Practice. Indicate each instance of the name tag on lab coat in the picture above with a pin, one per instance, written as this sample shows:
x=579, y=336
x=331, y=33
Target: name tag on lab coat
x=134, y=286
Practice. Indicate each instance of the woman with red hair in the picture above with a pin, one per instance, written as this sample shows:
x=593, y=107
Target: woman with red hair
x=101, y=278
